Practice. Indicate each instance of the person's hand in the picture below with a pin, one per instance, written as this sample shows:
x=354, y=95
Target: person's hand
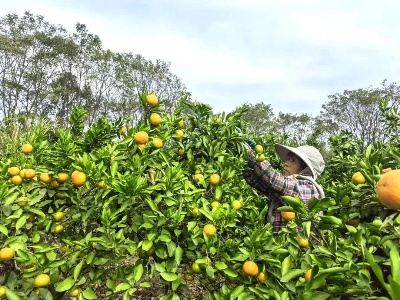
x=252, y=144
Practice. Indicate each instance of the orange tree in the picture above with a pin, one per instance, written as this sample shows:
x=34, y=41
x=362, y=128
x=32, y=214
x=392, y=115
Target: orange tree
x=110, y=213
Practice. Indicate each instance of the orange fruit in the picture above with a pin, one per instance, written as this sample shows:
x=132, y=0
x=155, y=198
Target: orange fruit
x=250, y=268
x=188, y=277
x=13, y=171
x=215, y=179
x=196, y=268
x=195, y=211
x=74, y=293
x=214, y=204
x=179, y=134
x=209, y=230
x=236, y=204
x=7, y=254
x=388, y=189
x=22, y=201
x=29, y=173
x=45, y=178
x=307, y=275
x=122, y=130
x=181, y=152
x=78, y=178
x=155, y=119
x=59, y=228
x=101, y=184
x=64, y=249
x=42, y=280
x=260, y=157
x=152, y=100
x=358, y=178
x=303, y=243
x=157, y=143
x=22, y=173
x=288, y=215
x=58, y=216
x=26, y=148
x=259, y=149
x=2, y=291
x=62, y=177
x=181, y=123
x=141, y=147
x=60, y=196
x=16, y=180
x=197, y=177
x=262, y=277
x=54, y=184
x=141, y=137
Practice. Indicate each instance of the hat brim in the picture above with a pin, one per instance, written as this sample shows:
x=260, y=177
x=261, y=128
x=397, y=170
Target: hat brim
x=283, y=151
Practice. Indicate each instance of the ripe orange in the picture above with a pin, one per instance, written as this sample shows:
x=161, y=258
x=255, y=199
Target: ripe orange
x=262, y=277
x=181, y=123
x=29, y=173
x=16, y=180
x=22, y=173
x=155, y=119
x=152, y=100
x=22, y=201
x=2, y=291
x=386, y=170
x=74, y=293
x=388, y=189
x=59, y=228
x=250, y=268
x=42, y=280
x=358, y=178
x=141, y=137
x=78, y=178
x=45, y=177
x=179, y=134
x=259, y=149
x=209, y=229
x=157, y=143
x=13, y=171
x=288, y=215
x=122, y=130
x=236, y=204
x=26, y=148
x=62, y=177
x=215, y=179
x=58, y=216
x=307, y=275
x=303, y=243
x=7, y=254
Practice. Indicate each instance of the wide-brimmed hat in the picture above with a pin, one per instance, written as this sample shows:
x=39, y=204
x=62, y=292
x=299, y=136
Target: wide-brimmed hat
x=309, y=154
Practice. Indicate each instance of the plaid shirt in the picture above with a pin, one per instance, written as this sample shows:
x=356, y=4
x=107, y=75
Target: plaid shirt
x=263, y=177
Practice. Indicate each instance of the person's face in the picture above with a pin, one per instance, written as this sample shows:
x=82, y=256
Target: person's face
x=292, y=165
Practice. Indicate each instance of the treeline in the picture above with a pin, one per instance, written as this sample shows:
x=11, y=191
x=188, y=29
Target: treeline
x=45, y=71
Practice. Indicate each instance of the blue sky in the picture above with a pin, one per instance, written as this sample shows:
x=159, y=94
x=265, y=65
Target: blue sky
x=290, y=54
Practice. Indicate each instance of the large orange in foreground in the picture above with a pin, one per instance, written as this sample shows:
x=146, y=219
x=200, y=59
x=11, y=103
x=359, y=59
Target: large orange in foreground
x=388, y=189
x=78, y=178
x=250, y=268
x=141, y=137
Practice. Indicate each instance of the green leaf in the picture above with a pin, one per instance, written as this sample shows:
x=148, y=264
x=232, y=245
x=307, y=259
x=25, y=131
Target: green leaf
x=4, y=230
x=138, y=272
x=375, y=268
x=122, y=287
x=286, y=264
x=10, y=199
x=395, y=264
x=296, y=203
x=21, y=222
x=146, y=245
x=176, y=283
x=45, y=294
x=65, y=285
x=89, y=294
x=11, y=295
x=236, y=292
x=394, y=290
x=291, y=274
x=178, y=255
x=167, y=276
x=230, y=272
x=221, y=265
x=78, y=269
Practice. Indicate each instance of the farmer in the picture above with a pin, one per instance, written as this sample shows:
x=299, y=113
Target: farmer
x=302, y=166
